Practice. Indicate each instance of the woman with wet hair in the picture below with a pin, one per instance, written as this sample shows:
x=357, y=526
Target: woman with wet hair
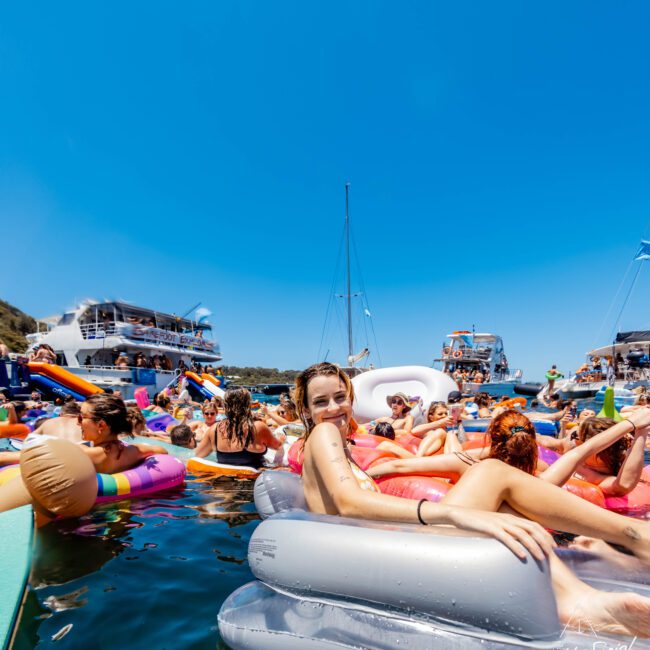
x=335, y=485
x=239, y=439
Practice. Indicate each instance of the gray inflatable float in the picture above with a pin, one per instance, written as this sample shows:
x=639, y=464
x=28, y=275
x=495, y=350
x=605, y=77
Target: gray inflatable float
x=332, y=582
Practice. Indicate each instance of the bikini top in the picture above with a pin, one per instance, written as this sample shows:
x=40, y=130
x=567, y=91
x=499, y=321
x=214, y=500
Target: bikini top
x=362, y=479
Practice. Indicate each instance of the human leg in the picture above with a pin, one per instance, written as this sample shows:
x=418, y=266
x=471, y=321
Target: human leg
x=490, y=483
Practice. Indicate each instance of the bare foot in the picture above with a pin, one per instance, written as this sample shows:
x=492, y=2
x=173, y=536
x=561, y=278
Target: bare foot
x=627, y=614
x=613, y=556
x=594, y=545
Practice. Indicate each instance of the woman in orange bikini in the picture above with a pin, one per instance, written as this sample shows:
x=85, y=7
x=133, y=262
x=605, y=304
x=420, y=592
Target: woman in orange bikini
x=334, y=485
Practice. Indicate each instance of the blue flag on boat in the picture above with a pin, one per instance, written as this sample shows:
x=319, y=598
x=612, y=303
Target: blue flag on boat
x=468, y=339
x=644, y=251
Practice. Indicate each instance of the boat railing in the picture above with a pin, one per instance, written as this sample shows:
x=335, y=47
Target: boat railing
x=129, y=369
x=98, y=330
x=92, y=331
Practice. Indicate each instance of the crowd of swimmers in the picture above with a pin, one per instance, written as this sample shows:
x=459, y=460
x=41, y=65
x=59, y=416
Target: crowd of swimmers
x=502, y=489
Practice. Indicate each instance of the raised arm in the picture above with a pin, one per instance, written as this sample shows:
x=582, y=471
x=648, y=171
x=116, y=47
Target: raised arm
x=421, y=429
x=564, y=467
x=630, y=473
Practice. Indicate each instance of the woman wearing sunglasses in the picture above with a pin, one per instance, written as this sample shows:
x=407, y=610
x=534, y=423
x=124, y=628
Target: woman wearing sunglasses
x=400, y=419
x=103, y=418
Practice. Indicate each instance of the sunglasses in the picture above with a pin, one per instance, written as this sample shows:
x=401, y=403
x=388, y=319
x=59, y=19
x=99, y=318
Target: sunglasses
x=209, y=413
x=282, y=412
x=81, y=418
x=397, y=401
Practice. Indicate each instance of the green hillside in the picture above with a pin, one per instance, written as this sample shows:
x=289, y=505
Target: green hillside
x=250, y=376
x=14, y=324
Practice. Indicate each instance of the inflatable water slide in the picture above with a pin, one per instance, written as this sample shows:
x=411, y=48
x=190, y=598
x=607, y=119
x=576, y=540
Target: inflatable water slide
x=61, y=382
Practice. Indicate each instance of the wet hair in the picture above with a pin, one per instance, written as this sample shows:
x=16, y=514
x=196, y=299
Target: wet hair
x=19, y=407
x=216, y=401
x=534, y=403
x=324, y=369
x=111, y=410
x=137, y=420
x=70, y=408
x=432, y=407
x=563, y=403
x=614, y=455
x=642, y=399
x=240, y=426
x=181, y=435
x=513, y=440
x=385, y=430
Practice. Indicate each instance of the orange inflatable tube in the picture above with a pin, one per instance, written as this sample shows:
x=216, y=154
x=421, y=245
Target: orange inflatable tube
x=65, y=377
x=14, y=430
x=587, y=491
x=365, y=457
x=408, y=442
x=203, y=466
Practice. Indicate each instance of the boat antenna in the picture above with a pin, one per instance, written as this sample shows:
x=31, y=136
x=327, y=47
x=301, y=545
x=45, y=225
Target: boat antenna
x=189, y=311
x=347, y=251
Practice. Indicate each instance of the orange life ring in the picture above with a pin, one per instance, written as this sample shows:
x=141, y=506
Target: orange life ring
x=457, y=354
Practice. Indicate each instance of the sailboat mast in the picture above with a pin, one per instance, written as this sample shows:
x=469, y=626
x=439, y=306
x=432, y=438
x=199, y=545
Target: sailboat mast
x=347, y=258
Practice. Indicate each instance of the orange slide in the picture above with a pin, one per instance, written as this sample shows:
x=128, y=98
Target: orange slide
x=64, y=377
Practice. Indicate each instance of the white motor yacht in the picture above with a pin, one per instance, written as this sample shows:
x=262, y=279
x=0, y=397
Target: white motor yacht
x=474, y=352
x=625, y=364
x=120, y=346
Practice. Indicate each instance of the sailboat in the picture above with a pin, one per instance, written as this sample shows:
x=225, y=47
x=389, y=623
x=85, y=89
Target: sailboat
x=353, y=358
x=623, y=364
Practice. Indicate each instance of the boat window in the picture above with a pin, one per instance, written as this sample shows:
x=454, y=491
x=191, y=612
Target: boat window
x=66, y=319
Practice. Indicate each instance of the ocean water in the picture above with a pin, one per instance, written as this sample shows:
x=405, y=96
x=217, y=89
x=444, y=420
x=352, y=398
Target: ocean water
x=141, y=574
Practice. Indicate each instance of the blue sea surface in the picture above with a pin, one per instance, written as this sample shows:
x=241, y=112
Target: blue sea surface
x=141, y=574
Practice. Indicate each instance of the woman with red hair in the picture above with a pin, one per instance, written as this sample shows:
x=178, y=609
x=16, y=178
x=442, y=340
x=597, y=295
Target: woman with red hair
x=512, y=438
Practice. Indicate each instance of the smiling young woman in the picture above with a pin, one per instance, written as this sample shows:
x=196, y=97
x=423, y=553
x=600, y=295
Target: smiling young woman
x=335, y=485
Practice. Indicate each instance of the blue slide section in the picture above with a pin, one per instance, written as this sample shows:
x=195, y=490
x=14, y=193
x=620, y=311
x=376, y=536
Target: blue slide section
x=197, y=388
x=54, y=387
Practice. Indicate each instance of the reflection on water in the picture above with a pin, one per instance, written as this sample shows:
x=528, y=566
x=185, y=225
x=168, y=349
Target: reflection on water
x=150, y=573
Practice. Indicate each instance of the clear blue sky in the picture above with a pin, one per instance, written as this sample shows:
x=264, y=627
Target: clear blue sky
x=168, y=154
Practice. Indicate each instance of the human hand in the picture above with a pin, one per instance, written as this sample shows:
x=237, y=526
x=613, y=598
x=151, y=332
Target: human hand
x=517, y=533
x=640, y=418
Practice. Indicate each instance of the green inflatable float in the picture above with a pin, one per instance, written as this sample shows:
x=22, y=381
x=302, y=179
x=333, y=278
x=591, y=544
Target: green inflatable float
x=609, y=410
